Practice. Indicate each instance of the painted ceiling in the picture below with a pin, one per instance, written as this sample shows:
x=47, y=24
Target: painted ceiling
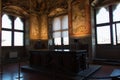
x=24, y=7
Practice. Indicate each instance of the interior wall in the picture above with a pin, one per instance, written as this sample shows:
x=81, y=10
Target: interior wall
x=21, y=53
x=0, y=30
x=38, y=27
x=34, y=26
x=81, y=26
x=38, y=31
x=107, y=52
x=43, y=20
x=38, y=44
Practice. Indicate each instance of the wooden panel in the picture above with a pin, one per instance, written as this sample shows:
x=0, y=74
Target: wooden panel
x=72, y=61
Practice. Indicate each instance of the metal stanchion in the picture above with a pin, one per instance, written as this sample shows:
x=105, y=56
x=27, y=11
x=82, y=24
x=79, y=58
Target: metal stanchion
x=19, y=70
x=1, y=68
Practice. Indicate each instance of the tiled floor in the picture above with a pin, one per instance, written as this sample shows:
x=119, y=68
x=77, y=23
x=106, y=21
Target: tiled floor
x=105, y=71
x=11, y=71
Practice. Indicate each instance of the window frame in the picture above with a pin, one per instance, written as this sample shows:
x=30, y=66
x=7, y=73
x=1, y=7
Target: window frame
x=13, y=30
x=110, y=23
x=60, y=30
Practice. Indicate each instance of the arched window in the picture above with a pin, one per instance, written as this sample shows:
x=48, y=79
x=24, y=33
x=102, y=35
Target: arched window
x=18, y=24
x=60, y=30
x=108, y=25
x=102, y=16
x=6, y=35
x=116, y=13
x=6, y=22
x=18, y=35
x=12, y=34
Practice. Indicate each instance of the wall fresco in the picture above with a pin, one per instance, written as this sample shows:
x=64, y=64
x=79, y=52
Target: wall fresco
x=80, y=19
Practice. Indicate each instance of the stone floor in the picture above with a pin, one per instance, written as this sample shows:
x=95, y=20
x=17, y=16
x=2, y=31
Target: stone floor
x=11, y=72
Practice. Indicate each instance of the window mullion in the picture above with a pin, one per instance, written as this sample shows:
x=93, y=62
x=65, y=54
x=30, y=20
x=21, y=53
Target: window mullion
x=116, y=34
x=61, y=31
x=24, y=33
x=111, y=24
x=12, y=31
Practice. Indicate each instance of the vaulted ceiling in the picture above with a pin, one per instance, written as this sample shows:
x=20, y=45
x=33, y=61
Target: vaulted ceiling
x=23, y=7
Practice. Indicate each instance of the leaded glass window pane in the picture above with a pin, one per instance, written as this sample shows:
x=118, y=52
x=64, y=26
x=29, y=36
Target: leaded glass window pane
x=56, y=24
x=118, y=33
x=102, y=16
x=6, y=38
x=103, y=35
x=18, y=39
x=65, y=22
x=6, y=22
x=18, y=24
x=116, y=13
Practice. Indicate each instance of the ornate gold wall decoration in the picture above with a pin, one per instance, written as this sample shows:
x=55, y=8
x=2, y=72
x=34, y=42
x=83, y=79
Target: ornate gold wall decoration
x=44, y=28
x=80, y=19
x=34, y=27
x=38, y=27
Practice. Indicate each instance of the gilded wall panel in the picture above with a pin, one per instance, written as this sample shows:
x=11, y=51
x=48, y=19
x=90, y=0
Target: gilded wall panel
x=34, y=27
x=81, y=19
x=44, y=27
